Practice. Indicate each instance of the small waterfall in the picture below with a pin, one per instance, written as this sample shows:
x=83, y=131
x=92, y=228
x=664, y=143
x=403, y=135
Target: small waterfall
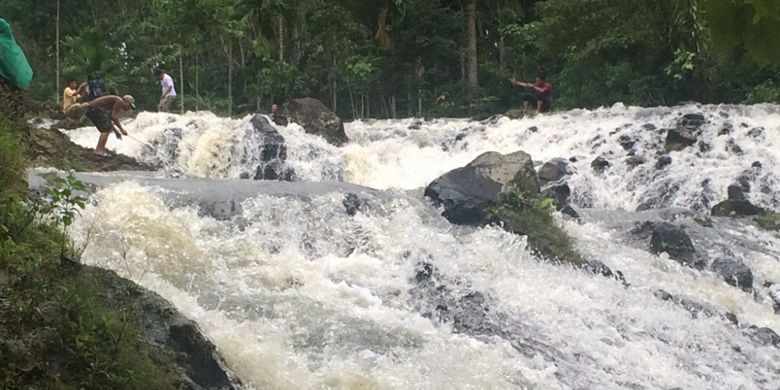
x=300, y=292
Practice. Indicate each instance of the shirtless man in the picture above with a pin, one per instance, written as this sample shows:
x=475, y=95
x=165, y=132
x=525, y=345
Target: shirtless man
x=104, y=113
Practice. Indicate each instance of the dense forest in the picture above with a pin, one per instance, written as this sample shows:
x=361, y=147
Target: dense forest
x=395, y=58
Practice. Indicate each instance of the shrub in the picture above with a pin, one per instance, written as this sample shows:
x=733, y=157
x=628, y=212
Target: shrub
x=532, y=217
x=12, y=163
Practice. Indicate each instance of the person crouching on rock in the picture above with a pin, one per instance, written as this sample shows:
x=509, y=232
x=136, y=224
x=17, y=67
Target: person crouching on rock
x=541, y=99
x=104, y=113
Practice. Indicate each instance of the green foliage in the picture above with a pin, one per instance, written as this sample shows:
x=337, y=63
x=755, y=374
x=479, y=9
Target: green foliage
x=768, y=91
x=65, y=203
x=12, y=162
x=236, y=55
x=532, y=217
x=768, y=220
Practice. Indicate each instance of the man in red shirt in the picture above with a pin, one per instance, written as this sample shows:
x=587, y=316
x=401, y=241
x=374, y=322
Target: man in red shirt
x=542, y=99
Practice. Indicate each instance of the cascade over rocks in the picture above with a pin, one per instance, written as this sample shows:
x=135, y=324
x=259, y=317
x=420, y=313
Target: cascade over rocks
x=674, y=241
x=316, y=118
x=466, y=192
x=273, y=153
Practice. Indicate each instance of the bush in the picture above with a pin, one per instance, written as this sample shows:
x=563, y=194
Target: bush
x=12, y=163
x=532, y=217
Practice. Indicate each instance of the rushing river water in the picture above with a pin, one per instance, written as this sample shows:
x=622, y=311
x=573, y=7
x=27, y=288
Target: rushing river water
x=298, y=294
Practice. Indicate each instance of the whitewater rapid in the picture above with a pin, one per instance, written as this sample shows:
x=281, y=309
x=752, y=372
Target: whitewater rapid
x=297, y=294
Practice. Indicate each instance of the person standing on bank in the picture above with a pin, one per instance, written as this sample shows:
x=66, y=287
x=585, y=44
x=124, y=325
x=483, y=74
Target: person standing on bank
x=104, y=113
x=168, y=90
x=542, y=99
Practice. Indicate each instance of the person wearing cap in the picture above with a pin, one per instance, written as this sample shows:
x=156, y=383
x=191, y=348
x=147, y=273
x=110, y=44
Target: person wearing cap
x=104, y=113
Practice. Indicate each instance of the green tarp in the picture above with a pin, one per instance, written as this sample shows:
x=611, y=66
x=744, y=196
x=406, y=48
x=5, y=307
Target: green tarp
x=13, y=64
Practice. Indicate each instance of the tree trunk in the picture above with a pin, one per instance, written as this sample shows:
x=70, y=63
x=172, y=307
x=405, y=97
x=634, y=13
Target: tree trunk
x=281, y=37
x=335, y=97
x=471, y=47
x=57, y=49
x=181, y=81
x=230, y=81
x=197, y=82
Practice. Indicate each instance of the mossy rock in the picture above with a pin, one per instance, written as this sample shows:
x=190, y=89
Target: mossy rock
x=515, y=113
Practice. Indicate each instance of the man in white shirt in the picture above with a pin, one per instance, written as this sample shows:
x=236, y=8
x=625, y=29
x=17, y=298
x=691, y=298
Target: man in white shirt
x=168, y=90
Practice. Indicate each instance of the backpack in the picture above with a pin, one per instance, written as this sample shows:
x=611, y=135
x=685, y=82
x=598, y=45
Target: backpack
x=96, y=89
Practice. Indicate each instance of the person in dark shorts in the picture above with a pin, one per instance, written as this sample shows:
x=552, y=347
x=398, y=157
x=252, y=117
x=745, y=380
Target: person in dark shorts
x=104, y=113
x=542, y=99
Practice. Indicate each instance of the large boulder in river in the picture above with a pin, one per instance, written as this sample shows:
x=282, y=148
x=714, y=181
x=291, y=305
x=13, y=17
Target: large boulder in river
x=466, y=192
x=317, y=119
x=674, y=241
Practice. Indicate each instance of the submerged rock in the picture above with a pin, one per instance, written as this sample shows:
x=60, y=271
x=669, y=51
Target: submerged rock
x=352, y=204
x=679, y=139
x=600, y=164
x=735, y=208
x=674, y=241
x=663, y=162
x=734, y=272
x=466, y=192
x=316, y=118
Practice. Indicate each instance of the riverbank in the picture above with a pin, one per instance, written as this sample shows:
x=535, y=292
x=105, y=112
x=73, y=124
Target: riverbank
x=65, y=325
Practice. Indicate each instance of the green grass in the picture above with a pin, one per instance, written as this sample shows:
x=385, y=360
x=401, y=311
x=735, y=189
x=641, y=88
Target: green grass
x=12, y=162
x=768, y=220
x=533, y=218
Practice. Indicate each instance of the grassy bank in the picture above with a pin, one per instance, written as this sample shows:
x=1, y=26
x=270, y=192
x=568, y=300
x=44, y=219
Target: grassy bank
x=57, y=329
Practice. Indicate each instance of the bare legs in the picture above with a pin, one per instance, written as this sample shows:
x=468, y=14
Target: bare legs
x=101, y=146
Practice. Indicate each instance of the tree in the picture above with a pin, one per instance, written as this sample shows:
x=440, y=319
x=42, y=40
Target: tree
x=471, y=46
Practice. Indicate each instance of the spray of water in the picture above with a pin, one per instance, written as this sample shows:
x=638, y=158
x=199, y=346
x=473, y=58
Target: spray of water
x=296, y=293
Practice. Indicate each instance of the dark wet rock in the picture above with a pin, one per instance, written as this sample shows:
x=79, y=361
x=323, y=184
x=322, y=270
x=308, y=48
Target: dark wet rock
x=704, y=147
x=695, y=309
x=352, y=204
x=763, y=336
x=167, y=331
x=569, y=211
x=734, y=272
x=725, y=130
x=736, y=192
x=735, y=208
x=649, y=127
x=692, y=121
x=756, y=164
x=598, y=268
x=273, y=153
x=731, y=146
x=71, y=124
x=757, y=133
x=466, y=192
x=559, y=191
x=533, y=129
x=460, y=137
x=679, y=139
x=635, y=161
x=773, y=290
x=643, y=207
x=316, y=118
x=416, y=125
x=626, y=142
x=674, y=241
x=600, y=164
x=573, y=159
x=663, y=162
x=491, y=120
x=553, y=170
x=643, y=229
